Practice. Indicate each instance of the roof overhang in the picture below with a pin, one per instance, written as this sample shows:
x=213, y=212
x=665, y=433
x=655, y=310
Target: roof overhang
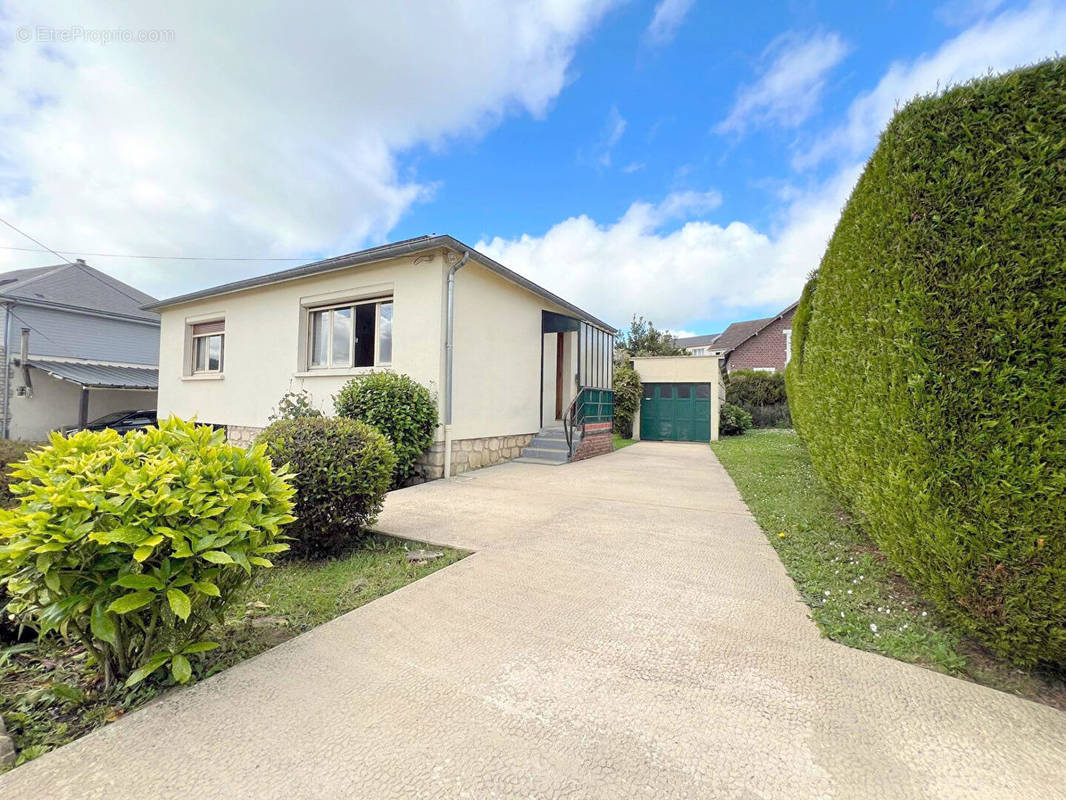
x=373, y=255
x=99, y=376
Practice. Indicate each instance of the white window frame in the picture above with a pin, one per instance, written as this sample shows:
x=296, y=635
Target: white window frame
x=377, y=302
x=788, y=345
x=196, y=337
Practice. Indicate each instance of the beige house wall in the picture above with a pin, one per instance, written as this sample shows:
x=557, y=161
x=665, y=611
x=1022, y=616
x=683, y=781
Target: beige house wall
x=683, y=369
x=496, y=357
x=266, y=341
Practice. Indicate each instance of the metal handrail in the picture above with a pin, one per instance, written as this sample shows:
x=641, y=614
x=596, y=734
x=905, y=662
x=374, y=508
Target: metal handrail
x=570, y=422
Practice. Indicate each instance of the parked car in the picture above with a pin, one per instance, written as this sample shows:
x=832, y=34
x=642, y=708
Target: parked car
x=121, y=421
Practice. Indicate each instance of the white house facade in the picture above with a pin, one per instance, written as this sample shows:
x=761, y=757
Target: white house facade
x=505, y=357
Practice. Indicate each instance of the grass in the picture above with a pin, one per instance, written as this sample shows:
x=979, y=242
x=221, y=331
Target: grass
x=854, y=594
x=49, y=695
x=620, y=441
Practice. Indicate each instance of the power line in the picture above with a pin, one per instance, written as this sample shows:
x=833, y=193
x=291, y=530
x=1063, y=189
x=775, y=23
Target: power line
x=62, y=253
x=35, y=241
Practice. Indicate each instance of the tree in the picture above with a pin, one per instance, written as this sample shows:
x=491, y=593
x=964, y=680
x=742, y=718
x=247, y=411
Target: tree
x=643, y=339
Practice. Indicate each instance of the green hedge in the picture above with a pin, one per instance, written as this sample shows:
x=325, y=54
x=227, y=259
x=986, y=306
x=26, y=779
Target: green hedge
x=627, y=393
x=762, y=395
x=929, y=365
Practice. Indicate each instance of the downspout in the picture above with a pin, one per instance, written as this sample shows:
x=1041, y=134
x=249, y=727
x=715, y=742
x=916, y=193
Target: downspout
x=449, y=346
x=24, y=361
x=7, y=372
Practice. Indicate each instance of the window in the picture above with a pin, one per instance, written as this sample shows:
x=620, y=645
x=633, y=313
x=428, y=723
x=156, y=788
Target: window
x=683, y=391
x=208, y=346
x=788, y=345
x=351, y=335
x=703, y=391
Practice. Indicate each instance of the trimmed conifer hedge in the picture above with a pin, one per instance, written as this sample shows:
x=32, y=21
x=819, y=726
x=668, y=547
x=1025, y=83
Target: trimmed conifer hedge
x=928, y=374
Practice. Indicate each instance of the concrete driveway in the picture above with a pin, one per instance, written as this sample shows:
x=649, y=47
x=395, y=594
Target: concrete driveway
x=624, y=630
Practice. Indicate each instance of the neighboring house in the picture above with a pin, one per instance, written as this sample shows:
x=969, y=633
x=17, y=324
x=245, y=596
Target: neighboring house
x=77, y=344
x=505, y=357
x=699, y=345
x=763, y=345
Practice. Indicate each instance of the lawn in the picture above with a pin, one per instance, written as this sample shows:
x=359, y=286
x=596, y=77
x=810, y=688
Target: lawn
x=48, y=696
x=620, y=441
x=855, y=596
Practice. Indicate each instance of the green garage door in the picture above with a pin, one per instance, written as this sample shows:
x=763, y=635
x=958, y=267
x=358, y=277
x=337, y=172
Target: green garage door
x=676, y=412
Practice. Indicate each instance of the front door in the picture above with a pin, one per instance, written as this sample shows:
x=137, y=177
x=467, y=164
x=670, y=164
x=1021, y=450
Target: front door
x=559, y=375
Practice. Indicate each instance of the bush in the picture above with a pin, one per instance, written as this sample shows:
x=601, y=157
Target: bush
x=341, y=470
x=928, y=380
x=135, y=544
x=398, y=406
x=733, y=420
x=762, y=395
x=627, y=393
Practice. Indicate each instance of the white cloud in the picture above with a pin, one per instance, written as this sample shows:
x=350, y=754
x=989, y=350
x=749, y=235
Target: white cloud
x=254, y=131
x=613, y=130
x=675, y=277
x=963, y=12
x=1009, y=40
x=634, y=166
x=791, y=84
x=667, y=19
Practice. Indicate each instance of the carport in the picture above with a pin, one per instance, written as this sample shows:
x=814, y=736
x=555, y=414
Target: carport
x=109, y=381
x=681, y=399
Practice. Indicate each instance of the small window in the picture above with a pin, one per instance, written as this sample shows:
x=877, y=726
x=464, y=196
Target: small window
x=684, y=391
x=351, y=335
x=703, y=391
x=208, y=346
x=649, y=391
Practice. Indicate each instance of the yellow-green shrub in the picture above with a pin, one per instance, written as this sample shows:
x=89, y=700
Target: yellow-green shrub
x=134, y=544
x=929, y=360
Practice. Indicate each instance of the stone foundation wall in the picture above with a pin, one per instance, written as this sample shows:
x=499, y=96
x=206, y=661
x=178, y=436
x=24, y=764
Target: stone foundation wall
x=242, y=435
x=597, y=441
x=468, y=454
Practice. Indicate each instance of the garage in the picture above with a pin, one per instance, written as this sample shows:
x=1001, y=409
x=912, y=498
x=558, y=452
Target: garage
x=681, y=398
x=676, y=412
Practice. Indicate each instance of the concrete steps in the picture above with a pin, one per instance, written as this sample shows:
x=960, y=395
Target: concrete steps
x=548, y=447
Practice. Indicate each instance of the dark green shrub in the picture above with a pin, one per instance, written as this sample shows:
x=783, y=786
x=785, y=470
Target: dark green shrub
x=733, y=420
x=762, y=395
x=627, y=392
x=135, y=544
x=341, y=469
x=929, y=381
x=398, y=406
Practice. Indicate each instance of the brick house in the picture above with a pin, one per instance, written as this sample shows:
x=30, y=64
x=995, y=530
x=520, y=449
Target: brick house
x=763, y=345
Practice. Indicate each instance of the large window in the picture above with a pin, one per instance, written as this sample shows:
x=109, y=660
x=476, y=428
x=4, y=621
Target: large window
x=208, y=346
x=351, y=335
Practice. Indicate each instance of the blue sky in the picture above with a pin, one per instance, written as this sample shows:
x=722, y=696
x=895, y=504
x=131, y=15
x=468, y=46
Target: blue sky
x=680, y=159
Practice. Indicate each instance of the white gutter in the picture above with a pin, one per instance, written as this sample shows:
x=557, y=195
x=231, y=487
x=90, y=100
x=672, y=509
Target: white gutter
x=449, y=346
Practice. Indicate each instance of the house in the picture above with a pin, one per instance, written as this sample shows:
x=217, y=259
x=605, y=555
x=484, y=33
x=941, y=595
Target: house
x=699, y=345
x=507, y=359
x=77, y=344
x=763, y=345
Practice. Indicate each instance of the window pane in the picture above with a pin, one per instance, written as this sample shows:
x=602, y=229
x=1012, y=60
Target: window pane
x=214, y=353
x=342, y=337
x=385, y=333
x=319, y=338
x=683, y=390
x=365, y=317
x=199, y=363
x=703, y=391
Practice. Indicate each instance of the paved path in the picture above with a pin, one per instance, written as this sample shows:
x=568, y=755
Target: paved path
x=624, y=630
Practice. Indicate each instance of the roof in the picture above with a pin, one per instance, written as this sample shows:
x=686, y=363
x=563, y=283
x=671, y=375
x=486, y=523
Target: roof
x=100, y=376
x=696, y=341
x=76, y=285
x=396, y=249
x=739, y=332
